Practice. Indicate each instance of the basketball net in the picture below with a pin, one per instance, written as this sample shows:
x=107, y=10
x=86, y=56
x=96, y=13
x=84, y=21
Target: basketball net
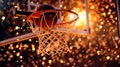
x=51, y=41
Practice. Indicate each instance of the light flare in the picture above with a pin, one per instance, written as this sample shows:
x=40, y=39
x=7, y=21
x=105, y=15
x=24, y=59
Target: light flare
x=80, y=24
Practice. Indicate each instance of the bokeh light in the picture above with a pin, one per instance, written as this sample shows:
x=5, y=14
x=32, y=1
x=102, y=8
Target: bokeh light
x=99, y=48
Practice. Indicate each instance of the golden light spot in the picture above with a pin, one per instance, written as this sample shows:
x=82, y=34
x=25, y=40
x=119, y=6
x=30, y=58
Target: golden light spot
x=73, y=66
x=18, y=39
x=48, y=66
x=44, y=58
x=43, y=63
x=104, y=14
x=16, y=28
x=7, y=52
x=102, y=9
x=3, y=17
x=21, y=57
x=100, y=27
x=18, y=54
x=111, y=16
x=101, y=23
x=50, y=61
x=71, y=47
x=14, y=51
x=118, y=56
x=107, y=6
x=30, y=39
x=33, y=47
x=23, y=20
x=109, y=13
x=92, y=7
x=108, y=57
x=22, y=66
x=11, y=56
x=71, y=59
x=82, y=20
x=61, y=61
x=98, y=52
x=17, y=33
x=17, y=46
x=11, y=44
x=25, y=45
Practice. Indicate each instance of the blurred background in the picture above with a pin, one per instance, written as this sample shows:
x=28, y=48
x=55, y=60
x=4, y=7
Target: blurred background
x=100, y=48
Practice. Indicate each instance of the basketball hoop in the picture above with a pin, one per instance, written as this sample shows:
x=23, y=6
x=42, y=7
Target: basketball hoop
x=61, y=21
x=51, y=38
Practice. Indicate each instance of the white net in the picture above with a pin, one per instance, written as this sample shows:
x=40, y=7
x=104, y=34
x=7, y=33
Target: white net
x=53, y=42
x=49, y=26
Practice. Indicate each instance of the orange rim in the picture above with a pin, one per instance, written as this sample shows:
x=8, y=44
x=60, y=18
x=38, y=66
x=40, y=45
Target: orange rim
x=38, y=13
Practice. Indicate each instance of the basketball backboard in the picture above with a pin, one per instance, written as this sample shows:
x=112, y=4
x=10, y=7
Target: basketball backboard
x=79, y=26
